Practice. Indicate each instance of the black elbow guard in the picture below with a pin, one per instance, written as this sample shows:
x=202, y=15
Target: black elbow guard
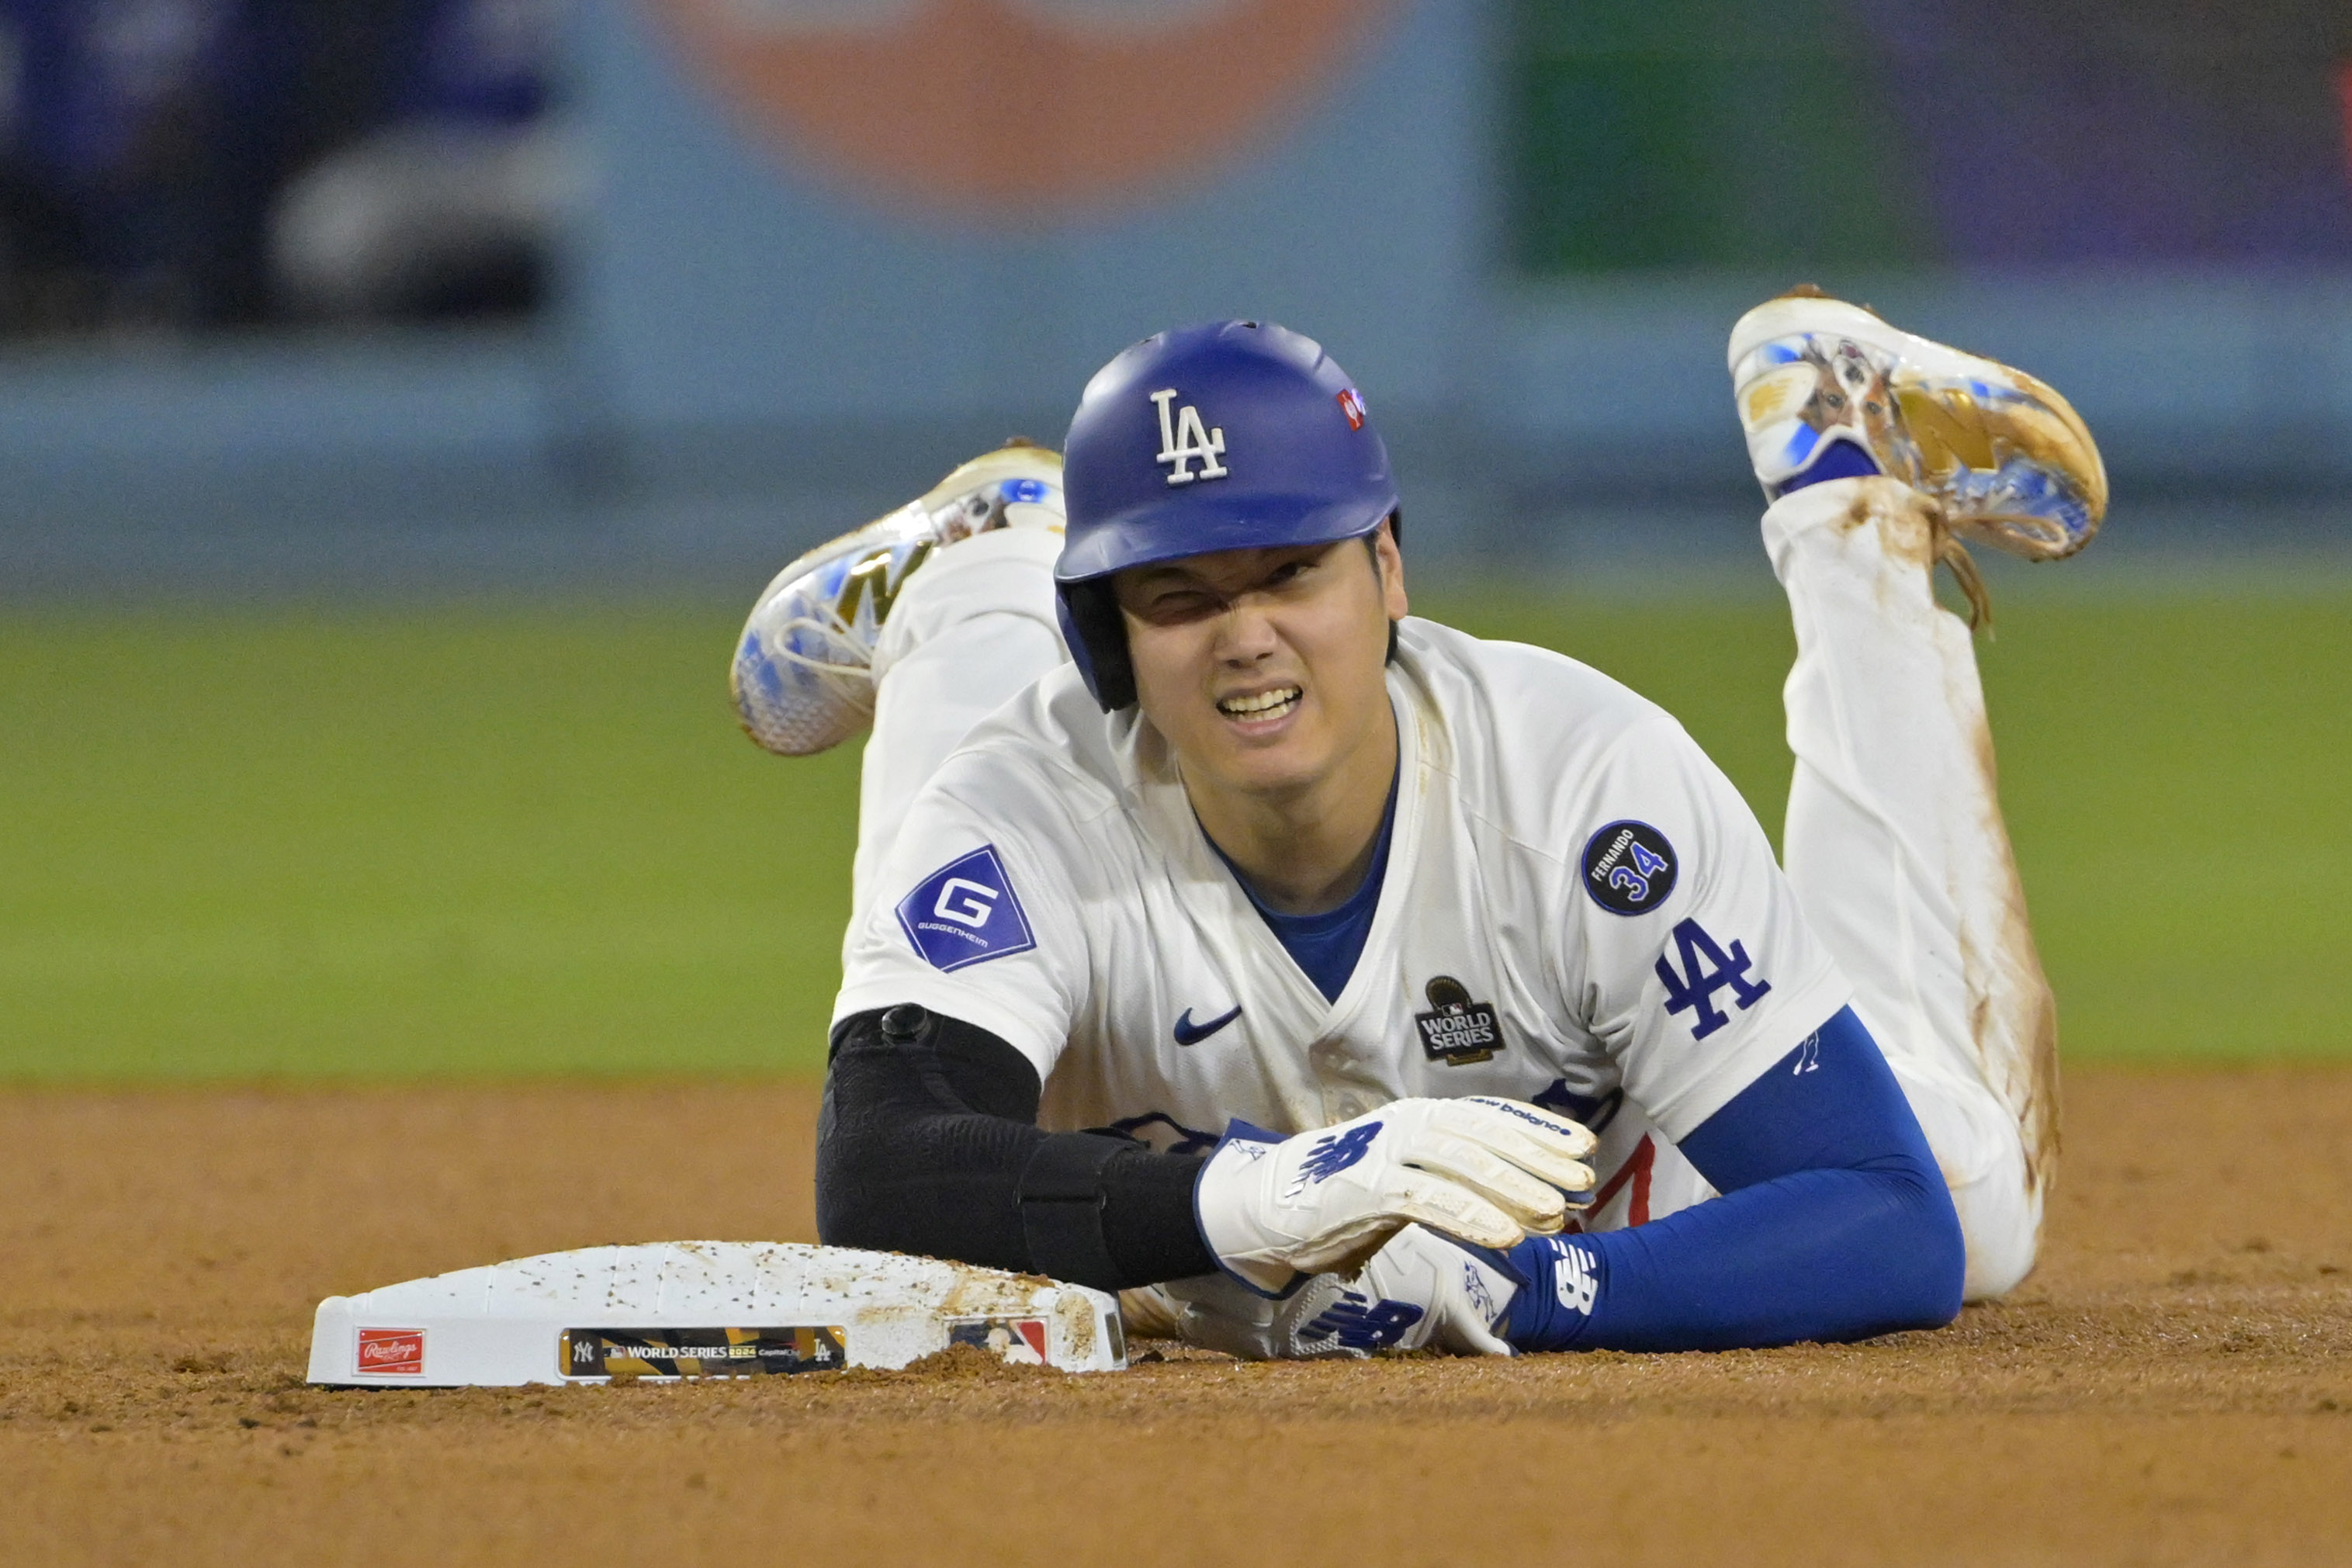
x=928, y=1144
x=1063, y=1205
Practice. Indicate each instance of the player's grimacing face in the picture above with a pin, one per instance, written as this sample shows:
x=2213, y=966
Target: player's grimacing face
x=1265, y=668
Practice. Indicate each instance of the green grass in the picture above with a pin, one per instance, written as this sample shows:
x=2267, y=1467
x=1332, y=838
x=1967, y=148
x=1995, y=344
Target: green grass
x=456, y=841
x=531, y=841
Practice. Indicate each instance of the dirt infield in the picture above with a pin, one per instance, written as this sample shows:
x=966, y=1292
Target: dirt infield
x=2174, y=1385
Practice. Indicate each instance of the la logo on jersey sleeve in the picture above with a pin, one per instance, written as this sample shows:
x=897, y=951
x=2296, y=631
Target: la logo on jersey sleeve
x=966, y=913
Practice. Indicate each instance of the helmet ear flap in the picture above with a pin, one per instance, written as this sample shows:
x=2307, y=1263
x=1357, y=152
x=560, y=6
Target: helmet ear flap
x=1096, y=634
x=1396, y=537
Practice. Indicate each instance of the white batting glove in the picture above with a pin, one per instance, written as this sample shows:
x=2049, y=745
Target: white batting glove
x=1461, y=1297
x=1485, y=1170
x=1419, y=1290
x=1215, y=1311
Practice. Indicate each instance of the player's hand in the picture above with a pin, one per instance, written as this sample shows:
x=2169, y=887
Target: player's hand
x=1487, y=1171
x=1418, y=1290
x=1217, y=1313
x=1461, y=1294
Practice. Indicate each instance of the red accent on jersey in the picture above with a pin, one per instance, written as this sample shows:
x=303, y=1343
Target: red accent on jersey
x=1636, y=1169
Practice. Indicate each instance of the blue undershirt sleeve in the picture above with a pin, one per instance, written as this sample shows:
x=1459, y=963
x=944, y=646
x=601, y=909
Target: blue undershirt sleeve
x=1834, y=1224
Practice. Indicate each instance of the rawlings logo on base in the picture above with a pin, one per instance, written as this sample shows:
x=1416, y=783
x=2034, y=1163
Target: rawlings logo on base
x=391, y=1353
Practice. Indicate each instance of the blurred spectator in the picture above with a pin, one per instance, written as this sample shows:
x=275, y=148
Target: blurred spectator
x=155, y=156
x=453, y=207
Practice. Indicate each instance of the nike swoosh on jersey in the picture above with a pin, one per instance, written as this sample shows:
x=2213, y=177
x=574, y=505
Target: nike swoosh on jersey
x=1191, y=1033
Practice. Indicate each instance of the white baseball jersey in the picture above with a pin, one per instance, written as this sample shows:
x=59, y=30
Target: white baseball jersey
x=1577, y=901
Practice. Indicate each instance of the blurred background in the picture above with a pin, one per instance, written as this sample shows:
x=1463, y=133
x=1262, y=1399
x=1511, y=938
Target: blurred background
x=401, y=400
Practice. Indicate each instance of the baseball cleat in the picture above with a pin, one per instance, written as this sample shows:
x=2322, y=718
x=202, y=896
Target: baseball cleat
x=803, y=678
x=2010, y=461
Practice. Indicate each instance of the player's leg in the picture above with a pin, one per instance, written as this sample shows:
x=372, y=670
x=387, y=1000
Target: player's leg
x=969, y=634
x=1895, y=844
x=1896, y=849
x=921, y=622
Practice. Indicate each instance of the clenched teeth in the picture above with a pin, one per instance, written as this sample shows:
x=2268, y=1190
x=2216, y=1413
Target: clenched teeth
x=1263, y=704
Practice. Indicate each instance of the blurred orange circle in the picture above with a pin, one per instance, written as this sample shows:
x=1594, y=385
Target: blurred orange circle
x=1018, y=107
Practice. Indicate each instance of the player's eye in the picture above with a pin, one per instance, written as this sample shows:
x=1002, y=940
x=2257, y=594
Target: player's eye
x=1182, y=604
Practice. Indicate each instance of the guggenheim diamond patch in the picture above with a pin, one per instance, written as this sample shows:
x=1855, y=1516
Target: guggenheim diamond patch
x=966, y=913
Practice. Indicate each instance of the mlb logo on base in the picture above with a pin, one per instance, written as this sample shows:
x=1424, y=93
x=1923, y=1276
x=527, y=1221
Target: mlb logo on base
x=1019, y=1341
x=398, y=1353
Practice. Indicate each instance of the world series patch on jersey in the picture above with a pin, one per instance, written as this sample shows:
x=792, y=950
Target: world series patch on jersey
x=1577, y=903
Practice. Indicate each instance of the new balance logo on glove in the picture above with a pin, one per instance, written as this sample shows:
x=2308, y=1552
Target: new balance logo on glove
x=1332, y=1155
x=1359, y=1322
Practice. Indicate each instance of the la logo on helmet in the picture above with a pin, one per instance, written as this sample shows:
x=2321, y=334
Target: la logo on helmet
x=1185, y=439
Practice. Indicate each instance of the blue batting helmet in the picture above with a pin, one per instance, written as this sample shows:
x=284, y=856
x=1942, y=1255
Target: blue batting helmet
x=1228, y=435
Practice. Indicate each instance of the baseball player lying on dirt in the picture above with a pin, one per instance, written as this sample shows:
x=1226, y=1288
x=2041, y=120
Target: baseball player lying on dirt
x=1325, y=979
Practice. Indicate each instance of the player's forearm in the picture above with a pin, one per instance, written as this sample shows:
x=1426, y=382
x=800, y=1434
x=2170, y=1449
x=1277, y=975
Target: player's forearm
x=1820, y=1255
x=929, y=1145
x=1835, y=1225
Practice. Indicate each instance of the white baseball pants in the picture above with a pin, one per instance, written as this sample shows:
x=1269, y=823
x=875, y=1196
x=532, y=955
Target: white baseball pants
x=1901, y=861
x=969, y=633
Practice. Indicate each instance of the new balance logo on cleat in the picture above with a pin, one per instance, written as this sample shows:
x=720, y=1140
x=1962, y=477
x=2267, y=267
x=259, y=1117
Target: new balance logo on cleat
x=1186, y=439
